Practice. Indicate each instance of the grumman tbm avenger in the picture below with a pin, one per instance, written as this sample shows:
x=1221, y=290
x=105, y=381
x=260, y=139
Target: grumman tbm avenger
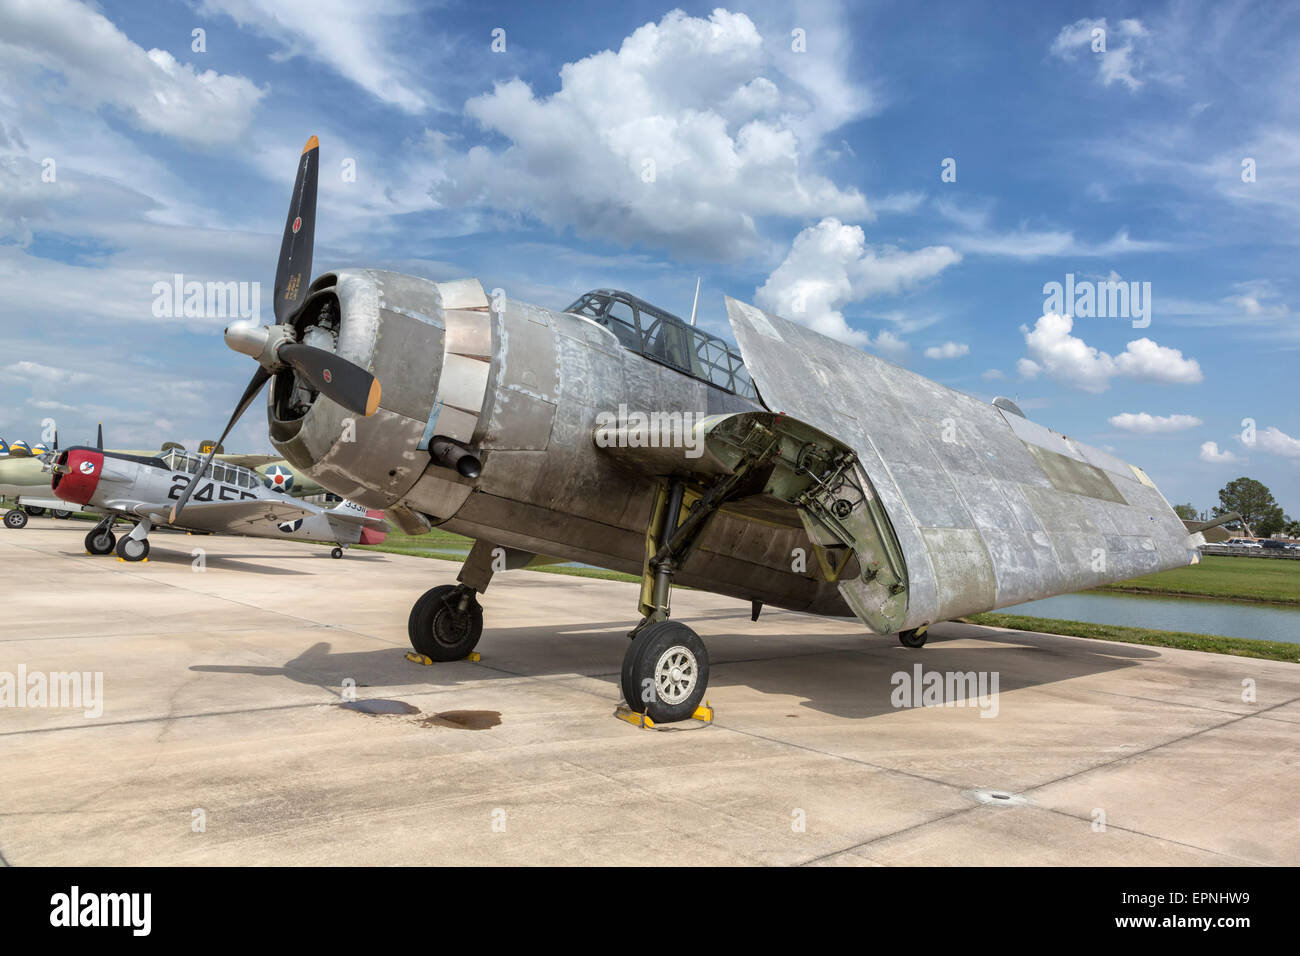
x=228, y=499
x=508, y=423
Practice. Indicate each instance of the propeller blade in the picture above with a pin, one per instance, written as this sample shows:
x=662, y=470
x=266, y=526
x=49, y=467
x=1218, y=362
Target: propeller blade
x=260, y=378
x=336, y=378
x=293, y=273
x=99, y=437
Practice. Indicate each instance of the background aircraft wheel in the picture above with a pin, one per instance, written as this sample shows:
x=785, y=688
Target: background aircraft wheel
x=668, y=663
x=17, y=518
x=912, y=638
x=132, y=549
x=34, y=511
x=62, y=514
x=100, y=541
x=336, y=553
x=439, y=629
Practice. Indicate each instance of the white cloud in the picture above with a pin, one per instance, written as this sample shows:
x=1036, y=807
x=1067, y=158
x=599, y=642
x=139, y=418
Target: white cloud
x=354, y=39
x=1210, y=452
x=1147, y=424
x=830, y=265
x=98, y=65
x=1277, y=442
x=949, y=350
x=993, y=375
x=1068, y=359
x=682, y=138
x=1118, y=61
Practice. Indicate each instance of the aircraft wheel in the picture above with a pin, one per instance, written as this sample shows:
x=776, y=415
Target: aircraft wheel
x=665, y=672
x=132, y=549
x=336, y=553
x=100, y=541
x=437, y=627
x=17, y=518
x=34, y=511
x=913, y=638
x=62, y=514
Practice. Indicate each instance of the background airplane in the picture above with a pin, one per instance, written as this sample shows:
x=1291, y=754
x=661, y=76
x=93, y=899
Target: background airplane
x=228, y=498
x=25, y=479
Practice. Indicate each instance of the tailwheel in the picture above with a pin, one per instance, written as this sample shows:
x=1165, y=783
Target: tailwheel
x=132, y=549
x=445, y=623
x=100, y=541
x=665, y=672
x=913, y=638
x=17, y=518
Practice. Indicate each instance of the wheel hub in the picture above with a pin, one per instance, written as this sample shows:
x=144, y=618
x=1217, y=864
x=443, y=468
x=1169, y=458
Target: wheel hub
x=675, y=674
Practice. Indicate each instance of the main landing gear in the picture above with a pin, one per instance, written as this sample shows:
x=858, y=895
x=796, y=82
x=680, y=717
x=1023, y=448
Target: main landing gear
x=337, y=552
x=134, y=546
x=447, y=621
x=16, y=518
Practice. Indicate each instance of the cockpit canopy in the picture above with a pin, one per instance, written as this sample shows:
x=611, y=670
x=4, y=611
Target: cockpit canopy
x=179, y=460
x=664, y=338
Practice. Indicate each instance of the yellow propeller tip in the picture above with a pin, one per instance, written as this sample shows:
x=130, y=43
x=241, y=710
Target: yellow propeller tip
x=312, y=143
x=372, y=400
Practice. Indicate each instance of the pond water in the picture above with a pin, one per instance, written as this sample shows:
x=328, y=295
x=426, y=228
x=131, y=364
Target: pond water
x=1265, y=622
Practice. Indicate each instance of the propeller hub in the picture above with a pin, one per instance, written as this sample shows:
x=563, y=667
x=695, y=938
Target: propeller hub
x=262, y=342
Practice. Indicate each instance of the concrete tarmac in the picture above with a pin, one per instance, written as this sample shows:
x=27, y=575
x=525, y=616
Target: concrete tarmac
x=222, y=738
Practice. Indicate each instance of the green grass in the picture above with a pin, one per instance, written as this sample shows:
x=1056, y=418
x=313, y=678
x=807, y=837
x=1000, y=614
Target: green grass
x=1275, y=580
x=1210, y=643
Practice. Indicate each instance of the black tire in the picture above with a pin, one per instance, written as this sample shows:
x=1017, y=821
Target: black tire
x=34, y=511
x=912, y=638
x=100, y=541
x=660, y=652
x=336, y=553
x=132, y=549
x=16, y=519
x=440, y=631
x=62, y=515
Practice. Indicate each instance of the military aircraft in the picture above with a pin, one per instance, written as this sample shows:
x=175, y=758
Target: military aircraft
x=615, y=434
x=228, y=499
x=25, y=479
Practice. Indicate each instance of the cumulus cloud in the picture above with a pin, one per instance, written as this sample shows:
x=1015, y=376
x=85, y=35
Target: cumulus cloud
x=1146, y=424
x=1210, y=452
x=351, y=38
x=830, y=265
x=98, y=65
x=682, y=138
x=1120, y=58
x=1277, y=442
x=949, y=350
x=1068, y=359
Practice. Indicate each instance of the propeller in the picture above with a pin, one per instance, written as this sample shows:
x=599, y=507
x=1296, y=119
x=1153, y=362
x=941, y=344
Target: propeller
x=99, y=437
x=275, y=346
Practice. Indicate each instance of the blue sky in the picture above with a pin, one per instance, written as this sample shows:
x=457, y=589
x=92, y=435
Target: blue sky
x=790, y=154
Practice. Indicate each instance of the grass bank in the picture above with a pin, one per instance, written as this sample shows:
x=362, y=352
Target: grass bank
x=1226, y=578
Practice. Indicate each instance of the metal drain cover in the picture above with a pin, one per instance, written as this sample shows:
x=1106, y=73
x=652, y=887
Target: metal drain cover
x=997, y=798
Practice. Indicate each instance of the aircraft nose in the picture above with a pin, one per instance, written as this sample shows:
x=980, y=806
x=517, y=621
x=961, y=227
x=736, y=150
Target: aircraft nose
x=76, y=475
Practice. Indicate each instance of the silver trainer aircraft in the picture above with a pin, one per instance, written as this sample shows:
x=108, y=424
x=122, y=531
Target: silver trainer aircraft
x=228, y=499
x=796, y=471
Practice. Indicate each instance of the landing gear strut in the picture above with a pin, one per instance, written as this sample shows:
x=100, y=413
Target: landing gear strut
x=16, y=518
x=666, y=668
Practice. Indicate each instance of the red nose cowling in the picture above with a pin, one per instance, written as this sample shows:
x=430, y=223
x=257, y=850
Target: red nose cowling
x=78, y=484
x=369, y=536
